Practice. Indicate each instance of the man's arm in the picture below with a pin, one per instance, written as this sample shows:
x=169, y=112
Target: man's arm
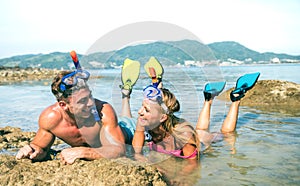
x=40, y=145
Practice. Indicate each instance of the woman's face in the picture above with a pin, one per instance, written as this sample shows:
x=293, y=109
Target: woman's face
x=150, y=114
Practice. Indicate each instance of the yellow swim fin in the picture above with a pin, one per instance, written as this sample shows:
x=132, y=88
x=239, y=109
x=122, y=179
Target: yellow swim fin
x=154, y=69
x=130, y=73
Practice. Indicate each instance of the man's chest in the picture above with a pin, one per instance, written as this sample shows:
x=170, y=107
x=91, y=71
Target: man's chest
x=82, y=136
x=91, y=135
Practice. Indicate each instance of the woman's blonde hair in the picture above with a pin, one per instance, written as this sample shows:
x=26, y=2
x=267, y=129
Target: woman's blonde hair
x=182, y=130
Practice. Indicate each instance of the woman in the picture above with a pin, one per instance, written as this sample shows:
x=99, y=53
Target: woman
x=170, y=134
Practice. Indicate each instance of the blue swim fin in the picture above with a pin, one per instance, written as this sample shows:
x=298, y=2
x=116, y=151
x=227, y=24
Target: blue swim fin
x=213, y=89
x=243, y=84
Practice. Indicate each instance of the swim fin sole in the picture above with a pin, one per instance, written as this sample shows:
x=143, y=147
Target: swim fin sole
x=246, y=82
x=215, y=87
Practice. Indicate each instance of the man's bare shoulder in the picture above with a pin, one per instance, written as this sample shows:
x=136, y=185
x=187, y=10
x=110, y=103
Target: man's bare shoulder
x=107, y=112
x=50, y=117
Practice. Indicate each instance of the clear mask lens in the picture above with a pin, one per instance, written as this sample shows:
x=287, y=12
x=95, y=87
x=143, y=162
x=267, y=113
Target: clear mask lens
x=71, y=79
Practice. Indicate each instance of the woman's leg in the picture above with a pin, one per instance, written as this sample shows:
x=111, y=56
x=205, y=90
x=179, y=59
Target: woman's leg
x=211, y=90
x=230, y=121
x=204, y=116
x=229, y=125
x=243, y=84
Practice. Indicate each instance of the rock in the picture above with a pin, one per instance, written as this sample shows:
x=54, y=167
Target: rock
x=97, y=172
x=122, y=171
x=271, y=95
x=12, y=75
x=11, y=137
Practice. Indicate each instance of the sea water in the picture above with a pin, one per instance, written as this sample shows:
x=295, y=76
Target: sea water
x=264, y=151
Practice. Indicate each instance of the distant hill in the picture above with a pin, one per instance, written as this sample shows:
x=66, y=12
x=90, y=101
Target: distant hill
x=52, y=60
x=169, y=53
x=234, y=50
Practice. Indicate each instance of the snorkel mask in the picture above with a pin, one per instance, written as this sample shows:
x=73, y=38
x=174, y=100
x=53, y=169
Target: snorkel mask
x=153, y=94
x=72, y=79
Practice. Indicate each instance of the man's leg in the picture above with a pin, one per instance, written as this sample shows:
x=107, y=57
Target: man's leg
x=126, y=111
x=129, y=76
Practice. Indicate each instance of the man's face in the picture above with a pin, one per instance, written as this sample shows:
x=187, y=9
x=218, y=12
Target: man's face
x=81, y=103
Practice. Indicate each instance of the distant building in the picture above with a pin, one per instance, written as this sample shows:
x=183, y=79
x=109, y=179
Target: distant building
x=193, y=63
x=275, y=60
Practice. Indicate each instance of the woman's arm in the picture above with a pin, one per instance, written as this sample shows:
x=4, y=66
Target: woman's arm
x=138, y=139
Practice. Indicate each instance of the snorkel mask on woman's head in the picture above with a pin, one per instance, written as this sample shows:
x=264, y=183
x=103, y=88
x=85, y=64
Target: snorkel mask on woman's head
x=77, y=78
x=154, y=94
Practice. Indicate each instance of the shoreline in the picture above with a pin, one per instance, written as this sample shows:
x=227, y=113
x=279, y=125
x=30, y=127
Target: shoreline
x=17, y=75
x=14, y=75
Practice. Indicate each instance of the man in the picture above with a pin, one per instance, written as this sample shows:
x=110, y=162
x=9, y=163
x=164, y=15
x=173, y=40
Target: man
x=89, y=126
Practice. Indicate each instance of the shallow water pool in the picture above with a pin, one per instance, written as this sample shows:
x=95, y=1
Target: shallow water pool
x=264, y=151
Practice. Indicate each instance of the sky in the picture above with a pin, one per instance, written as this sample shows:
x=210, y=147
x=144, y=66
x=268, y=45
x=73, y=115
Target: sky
x=35, y=26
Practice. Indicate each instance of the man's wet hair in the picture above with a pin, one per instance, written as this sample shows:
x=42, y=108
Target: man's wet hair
x=64, y=95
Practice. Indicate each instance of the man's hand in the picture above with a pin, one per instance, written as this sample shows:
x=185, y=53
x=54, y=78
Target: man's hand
x=29, y=151
x=69, y=155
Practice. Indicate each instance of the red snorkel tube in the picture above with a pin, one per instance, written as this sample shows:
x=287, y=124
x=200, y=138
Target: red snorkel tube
x=75, y=60
x=155, y=80
x=78, y=67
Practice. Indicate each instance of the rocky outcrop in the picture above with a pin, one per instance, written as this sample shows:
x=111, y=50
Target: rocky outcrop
x=271, y=95
x=98, y=172
x=13, y=138
x=122, y=171
x=11, y=75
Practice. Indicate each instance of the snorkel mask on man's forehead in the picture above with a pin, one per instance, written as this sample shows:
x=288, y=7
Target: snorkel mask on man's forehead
x=73, y=81
x=153, y=94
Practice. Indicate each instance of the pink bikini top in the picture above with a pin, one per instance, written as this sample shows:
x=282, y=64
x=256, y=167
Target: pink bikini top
x=176, y=153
